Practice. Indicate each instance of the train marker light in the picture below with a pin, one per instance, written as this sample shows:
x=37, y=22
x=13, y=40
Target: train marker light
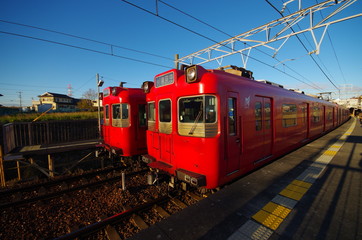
x=114, y=91
x=146, y=86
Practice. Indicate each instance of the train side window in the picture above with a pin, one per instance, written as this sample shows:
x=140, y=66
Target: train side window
x=303, y=113
x=258, y=123
x=289, y=115
x=142, y=115
x=267, y=114
x=232, y=115
x=316, y=114
x=165, y=110
x=329, y=114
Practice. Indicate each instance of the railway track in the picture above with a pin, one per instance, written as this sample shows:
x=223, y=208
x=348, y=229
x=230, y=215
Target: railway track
x=139, y=217
x=57, y=181
x=56, y=188
x=70, y=207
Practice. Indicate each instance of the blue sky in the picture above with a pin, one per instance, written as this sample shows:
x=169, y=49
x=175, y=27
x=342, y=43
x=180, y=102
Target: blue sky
x=33, y=67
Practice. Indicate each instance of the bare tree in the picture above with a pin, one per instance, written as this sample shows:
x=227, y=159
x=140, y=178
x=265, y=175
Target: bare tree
x=90, y=94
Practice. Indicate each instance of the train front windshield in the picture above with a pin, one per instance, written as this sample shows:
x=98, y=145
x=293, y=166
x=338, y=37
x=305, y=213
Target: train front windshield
x=200, y=109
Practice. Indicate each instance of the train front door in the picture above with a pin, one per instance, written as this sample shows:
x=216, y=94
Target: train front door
x=165, y=129
x=141, y=127
x=233, y=134
x=264, y=128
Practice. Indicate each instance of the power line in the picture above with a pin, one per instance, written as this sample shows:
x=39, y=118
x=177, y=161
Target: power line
x=83, y=48
x=24, y=85
x=189, y=15
x=304, y=46
x=87, y=39
x=167, y=20
x=76, y=90
x=117, y=81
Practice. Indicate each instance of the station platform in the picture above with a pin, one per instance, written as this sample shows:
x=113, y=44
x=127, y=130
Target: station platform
x=45, y=149
x=314, y=192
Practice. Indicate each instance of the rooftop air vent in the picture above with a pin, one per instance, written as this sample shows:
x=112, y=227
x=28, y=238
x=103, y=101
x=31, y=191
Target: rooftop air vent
x=270, y=83
x=239, y=71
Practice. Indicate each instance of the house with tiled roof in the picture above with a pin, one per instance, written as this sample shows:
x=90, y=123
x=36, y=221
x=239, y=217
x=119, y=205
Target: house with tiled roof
x=58, y=102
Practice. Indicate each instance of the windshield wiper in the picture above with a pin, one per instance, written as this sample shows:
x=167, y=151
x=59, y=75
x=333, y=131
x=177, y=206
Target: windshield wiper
x=192, y=130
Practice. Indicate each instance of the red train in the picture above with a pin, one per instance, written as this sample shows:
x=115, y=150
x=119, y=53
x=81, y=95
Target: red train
x=124, y=121
x=209, y=127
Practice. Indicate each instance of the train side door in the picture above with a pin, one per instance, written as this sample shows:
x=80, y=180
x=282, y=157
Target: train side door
x=268, y=126
x=233, y=133
x=264, y=128
x=305, y=118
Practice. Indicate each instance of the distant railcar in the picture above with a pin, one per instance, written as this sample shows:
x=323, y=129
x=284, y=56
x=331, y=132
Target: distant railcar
x=209, y=127
x=124, y=121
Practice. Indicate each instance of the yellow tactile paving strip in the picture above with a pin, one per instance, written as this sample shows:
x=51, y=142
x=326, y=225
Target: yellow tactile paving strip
x=269, y=218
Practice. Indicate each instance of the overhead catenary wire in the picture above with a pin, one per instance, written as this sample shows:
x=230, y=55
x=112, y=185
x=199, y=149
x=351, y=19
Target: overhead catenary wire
x=325, y=67
x=229, y=35
x=334, y=50
x=210, y=39
x=320, y=68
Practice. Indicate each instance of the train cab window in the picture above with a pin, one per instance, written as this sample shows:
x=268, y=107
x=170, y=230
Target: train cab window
x=124, y=111
x=116, y=111
x=120, y=115
x=106, y=115
x=200, y=109
x=191, y=109
x=258, y=123
x=289, y=115
x=106, y=112
x=151, y=115
x=165, y=110
x=142, y=115
x=197, y=116
x=210, y=109
x=232, y=115
x=151, y=111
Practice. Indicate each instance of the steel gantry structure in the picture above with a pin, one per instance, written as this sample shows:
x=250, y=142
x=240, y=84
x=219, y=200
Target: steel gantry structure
x=276, y=32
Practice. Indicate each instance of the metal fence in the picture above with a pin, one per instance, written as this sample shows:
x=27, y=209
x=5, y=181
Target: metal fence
x=22, y=134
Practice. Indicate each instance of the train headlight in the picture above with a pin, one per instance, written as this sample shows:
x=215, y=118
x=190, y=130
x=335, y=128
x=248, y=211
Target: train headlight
x=114, y=91
x=191, y=74
x=146, y=86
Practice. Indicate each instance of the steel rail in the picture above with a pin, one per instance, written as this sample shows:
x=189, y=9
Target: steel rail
x=58, y=193
x=54, y=182
x=95, y=227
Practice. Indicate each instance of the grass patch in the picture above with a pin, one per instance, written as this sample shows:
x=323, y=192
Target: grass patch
x=29, y=117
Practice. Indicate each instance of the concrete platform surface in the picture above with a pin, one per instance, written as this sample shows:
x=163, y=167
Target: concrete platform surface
x=314, y=192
